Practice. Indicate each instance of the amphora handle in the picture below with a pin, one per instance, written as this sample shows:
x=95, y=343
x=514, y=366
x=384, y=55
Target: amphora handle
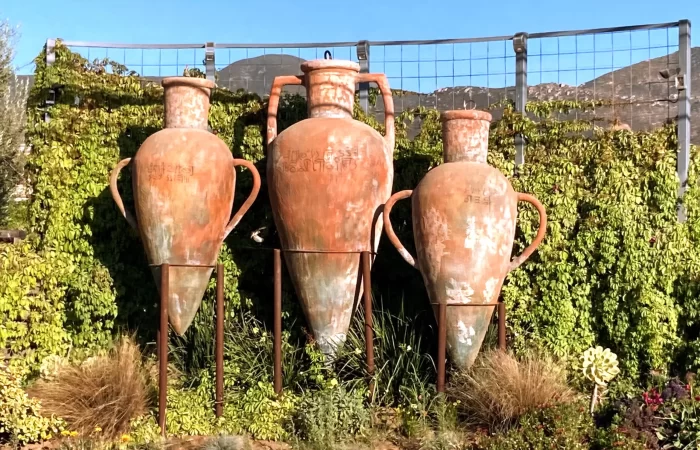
x=273, y=103
x=251, y=198
x=130, y=218
x=390, y=230
x=381, y=80
x=529, y=250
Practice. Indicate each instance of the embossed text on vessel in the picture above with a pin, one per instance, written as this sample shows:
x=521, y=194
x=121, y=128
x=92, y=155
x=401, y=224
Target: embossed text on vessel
x=338, y=160
x=171, y=172
x=473, y=195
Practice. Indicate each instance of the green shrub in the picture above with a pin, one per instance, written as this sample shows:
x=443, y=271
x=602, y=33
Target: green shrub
x=260, y=412
x=332, y=415
x=616, y=268
x=21, y=419
x=565, y=427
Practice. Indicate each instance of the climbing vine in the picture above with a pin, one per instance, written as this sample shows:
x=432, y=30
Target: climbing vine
x=615, y=269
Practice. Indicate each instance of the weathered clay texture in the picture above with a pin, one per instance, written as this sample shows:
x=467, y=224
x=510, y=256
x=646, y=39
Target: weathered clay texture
x=464, y=214
x=184, y=179
x=328, y=177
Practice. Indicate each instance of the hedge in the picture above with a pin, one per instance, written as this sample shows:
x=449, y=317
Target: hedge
x=616, y=268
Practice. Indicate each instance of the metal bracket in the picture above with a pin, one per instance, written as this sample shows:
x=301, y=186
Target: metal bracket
x=363, y=50
x=210, y=61
x=679, y=81
x=520, y=42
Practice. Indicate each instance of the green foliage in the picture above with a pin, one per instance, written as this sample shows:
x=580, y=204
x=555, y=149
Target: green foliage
x=32, y=307
x=565, y=427
x=403, y=364
x=332, y=415
x=20, y=416
x=260, y=412
x=616, y=268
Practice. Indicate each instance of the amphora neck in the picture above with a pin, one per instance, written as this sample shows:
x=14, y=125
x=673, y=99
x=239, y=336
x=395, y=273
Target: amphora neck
x=186, y=102
x=330, y=87
x=465, y=135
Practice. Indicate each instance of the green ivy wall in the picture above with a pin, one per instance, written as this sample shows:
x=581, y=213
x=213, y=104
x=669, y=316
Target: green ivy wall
x=616, y=268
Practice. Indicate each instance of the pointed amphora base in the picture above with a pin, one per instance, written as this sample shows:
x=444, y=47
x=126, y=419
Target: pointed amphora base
x=466, y=329
x=328, y=286
x=186, y=289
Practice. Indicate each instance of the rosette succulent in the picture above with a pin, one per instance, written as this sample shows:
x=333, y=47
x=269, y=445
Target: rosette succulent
x=599, y=365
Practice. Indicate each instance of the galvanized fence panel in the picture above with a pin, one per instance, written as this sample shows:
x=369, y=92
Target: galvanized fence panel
x=641, y=74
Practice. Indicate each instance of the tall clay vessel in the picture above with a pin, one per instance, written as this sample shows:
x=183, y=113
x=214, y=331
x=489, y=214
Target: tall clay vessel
x=328, y=177
x=464, y=215
x=184, y=179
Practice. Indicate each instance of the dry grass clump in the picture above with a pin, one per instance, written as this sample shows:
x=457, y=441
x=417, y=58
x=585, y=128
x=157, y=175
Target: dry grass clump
x=499, y=388
x=104, y=392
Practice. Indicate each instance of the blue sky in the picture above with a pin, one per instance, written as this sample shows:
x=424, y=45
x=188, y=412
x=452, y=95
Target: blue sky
x=566, y=60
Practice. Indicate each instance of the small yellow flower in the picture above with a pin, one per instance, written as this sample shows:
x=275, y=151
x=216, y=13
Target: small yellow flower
x=97, y=429
x=256, y=330
x=334, y=382
x=65, y=433
x=125, y=438
x=73, y=433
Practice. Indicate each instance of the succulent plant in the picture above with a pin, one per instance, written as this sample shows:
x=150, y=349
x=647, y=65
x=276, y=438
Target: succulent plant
x=599, y=365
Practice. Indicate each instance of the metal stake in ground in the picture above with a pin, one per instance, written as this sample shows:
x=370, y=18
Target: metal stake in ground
x=162, y=339
x=277, y=306
x=369, y=335
x=219, y=343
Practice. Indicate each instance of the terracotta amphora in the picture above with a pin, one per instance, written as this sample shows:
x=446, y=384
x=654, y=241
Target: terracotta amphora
x=184, y=179
x=328, y=177
x=463, y=214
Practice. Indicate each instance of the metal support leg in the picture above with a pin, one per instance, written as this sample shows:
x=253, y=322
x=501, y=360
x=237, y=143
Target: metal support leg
x=163, y=346
x=277, y=306
x=501, y=325
x=219, y=344
x=442, y=344
x=369, y=334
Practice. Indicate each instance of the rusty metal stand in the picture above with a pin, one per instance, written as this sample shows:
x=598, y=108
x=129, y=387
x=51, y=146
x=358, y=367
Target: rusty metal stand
x=277, y=312
x=369, y=332
x=277, y=306
x=442, y=336
x=162, y=340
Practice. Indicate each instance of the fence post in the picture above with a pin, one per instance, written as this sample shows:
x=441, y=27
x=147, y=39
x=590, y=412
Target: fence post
x=363, y=57
x=50, y=59
x=210, y=61
x=520, y=47
x=683, y=85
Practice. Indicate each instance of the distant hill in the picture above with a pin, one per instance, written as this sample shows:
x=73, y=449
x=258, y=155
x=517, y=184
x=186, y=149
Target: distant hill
x=643, y=98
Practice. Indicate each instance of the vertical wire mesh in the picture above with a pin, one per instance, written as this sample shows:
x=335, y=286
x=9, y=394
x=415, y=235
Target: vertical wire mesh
x=447, y=76
x=151, y=63
x=626, y=70
x=254, y=69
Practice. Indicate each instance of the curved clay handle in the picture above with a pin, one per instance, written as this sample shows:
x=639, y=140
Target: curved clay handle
x=273, y=103
x=389, y=230
x=383, y=83
x=518, y=260
x=115, y=193
x=251, y=198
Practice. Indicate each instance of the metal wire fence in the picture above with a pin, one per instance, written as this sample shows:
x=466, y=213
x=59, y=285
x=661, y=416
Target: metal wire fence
x=642, y=73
